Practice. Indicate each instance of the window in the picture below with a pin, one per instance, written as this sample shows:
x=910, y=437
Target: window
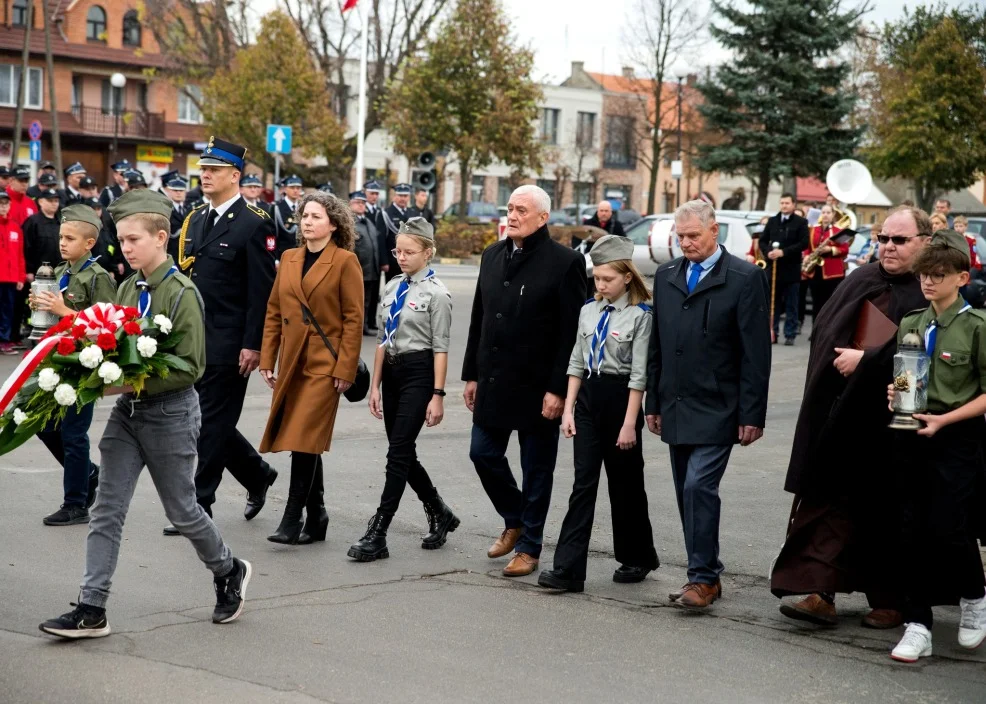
x=548, y=187
x=189, y=99
x=96, y=24
x=131, y=29
x=549, y=125
x=619, y=152
x=585, y=130
x=112, y=98
x=582, y=192
x=142, y=97
x=9, y=78
x=20, y=13
x=503, y=191
x=477, y=187
x=76, y=91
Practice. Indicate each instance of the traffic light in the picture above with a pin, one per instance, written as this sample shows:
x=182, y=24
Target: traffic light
x=426, y=177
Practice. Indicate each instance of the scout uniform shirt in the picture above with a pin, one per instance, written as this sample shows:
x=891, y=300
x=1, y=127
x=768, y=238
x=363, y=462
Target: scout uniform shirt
x=87, y=283
x=425, y=318
x=617, y=345
x=956, y=343
x=174, y=296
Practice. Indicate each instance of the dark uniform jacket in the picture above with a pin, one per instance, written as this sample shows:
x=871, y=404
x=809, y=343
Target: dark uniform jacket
x=793, y=239
x=710, y=352
x=234, y=271
x=177, y=220
x=265, y=206
x=69, y=197
x=41, y=242
x=425, y=212
x=286, y=221
x=110, y=194
x=613, y=227
x=394, y=217
x=375, y=215
x=367, y=248
x=524, y=320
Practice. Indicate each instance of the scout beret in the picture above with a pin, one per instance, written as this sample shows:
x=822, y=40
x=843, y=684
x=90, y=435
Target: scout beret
x=76, y=168
x=219, y=152
x=81, y=213
x=418, y=227
x=140, y=201
x=49, y=194
x=611, y=248
x=952, y=240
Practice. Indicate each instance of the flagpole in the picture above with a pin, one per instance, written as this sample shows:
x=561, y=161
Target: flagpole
x=361, y=128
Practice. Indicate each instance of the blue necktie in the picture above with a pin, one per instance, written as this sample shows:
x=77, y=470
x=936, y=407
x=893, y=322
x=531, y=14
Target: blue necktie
x=144, y=302
x=63, y=282
x=693, y=277
x=597, y=351
x=393, y=318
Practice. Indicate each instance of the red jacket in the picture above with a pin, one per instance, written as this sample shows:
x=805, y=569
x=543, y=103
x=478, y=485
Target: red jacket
x=12, y=269
x=833, y=266
x=21, y=207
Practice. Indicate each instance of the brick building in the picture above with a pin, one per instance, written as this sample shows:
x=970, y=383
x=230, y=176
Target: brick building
x=156, y=125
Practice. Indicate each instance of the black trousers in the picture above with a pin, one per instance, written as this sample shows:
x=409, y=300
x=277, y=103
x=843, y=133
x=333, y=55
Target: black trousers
x=599, y=414
x=942, y=478
x=221, y=392
x=821, y=292
x=371, y=299
x=408, y=384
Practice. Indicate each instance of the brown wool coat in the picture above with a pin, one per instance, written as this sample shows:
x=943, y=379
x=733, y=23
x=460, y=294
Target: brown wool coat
x=303, y=411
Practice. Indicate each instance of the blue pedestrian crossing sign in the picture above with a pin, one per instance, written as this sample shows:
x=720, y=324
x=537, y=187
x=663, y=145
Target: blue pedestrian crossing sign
x=279, y=139
x=35, y=145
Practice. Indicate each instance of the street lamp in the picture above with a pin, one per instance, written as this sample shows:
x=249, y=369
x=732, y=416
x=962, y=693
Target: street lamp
x=118, y=81
x=680, y=71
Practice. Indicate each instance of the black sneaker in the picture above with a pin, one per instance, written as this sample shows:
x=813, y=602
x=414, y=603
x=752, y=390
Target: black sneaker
x=84, y=622
x=93, y=485
x=231, y=592
x=67, y=516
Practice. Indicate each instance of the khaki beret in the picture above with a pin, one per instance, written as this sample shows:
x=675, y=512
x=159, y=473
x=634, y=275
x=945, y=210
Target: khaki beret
x=140, y=201
x=81, y=213
x=611, y=248
x=419, y=227
x=952, y=240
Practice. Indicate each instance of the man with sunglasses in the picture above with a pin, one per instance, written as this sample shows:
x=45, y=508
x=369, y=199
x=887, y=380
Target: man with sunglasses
x=843, y=534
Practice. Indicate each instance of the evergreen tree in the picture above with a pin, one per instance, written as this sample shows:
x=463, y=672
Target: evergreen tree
x=779, y=106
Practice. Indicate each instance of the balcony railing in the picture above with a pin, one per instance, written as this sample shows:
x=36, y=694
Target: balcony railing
x=129, y=123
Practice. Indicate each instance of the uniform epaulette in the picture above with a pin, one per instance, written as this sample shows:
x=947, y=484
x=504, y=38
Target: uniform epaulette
x=591, y=300
x=258, y=210
x=978, y=312
x=644, y=307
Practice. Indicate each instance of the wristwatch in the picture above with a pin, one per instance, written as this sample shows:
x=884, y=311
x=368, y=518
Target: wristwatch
x=438, y=392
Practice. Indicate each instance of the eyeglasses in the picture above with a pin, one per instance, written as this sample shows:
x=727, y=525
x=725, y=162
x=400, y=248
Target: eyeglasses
x=899, y=240
x=934, y=278
x=398, y=253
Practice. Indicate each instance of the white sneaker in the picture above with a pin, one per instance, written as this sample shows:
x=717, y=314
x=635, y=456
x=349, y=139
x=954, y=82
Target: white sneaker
x=972, y=624
x=915, y=644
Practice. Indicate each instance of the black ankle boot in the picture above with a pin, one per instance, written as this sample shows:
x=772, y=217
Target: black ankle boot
x=316, y=517
x=373, y=545
x=302, y=475
x=441, y=522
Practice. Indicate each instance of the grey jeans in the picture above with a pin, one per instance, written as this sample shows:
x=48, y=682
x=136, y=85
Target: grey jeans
x=160, y=433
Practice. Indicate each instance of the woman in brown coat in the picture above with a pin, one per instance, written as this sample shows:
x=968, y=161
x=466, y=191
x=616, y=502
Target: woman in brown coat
x=322, y=277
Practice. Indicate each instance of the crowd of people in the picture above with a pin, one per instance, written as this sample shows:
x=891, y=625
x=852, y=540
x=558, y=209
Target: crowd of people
x=689, y=360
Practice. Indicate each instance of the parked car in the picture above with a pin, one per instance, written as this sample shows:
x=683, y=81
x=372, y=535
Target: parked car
x=560, y=217
x=478, y=210
x=977, y=226
x=626, y=216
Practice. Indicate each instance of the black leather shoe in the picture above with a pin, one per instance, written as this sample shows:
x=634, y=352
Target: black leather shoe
x=171, y=530
x=560, y=580
x=255, y=502
x=441, y=522
x=627, y=574
x=373, y=545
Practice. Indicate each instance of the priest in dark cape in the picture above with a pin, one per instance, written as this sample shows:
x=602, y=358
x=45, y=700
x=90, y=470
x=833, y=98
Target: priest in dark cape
x=843, y=534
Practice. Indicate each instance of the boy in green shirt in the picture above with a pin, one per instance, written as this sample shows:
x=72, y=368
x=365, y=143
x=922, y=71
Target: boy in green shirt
x=158, y=428
x=942, y=463
x=83, y=282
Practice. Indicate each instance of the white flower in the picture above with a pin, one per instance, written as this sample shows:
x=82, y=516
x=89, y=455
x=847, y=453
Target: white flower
x=19, y=416
x=163, y=324
x=48, y=379
x=90, y=357
x=65, y=395
x=109, y=372
x=147, y=346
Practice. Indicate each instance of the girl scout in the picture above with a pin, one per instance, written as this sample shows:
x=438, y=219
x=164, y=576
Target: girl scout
x=607, y=375
x=411, y=363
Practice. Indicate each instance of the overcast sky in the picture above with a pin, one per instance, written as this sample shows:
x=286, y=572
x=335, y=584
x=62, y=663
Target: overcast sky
x=562, y=31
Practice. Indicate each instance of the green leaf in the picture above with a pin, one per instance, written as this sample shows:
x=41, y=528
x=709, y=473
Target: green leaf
x=67, y=360
x=127, y=352
x=87, y=395
x=176, y=363
x=10, y=440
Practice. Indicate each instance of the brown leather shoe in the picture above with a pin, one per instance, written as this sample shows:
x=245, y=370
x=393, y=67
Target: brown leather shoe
x=521, y=566
x=505, y=543
x=813, y=609
x=698, y=595
x=883, y=619
x=674, y=596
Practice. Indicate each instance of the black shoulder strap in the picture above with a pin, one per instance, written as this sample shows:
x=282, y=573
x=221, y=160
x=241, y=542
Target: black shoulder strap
x=308, y=319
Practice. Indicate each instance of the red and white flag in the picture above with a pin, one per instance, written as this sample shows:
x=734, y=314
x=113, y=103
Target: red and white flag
x=349, y=5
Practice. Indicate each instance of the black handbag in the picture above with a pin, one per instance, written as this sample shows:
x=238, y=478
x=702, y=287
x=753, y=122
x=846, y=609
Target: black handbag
x=361, y=386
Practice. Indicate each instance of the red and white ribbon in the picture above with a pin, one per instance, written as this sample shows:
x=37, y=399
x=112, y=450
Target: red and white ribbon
x=24, y=370
x=101, y=318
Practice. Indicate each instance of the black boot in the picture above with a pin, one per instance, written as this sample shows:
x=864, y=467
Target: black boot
x=316, y=517
x=373, y=545
x=441, y=522
x=302, y=473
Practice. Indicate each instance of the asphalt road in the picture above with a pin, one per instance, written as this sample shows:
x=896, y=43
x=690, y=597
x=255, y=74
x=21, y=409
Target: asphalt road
x=440, y=625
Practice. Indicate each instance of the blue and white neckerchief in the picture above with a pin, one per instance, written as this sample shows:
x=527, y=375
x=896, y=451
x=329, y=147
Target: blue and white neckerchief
x=394, y=316
x=144, y=302
x=63, y=282
x=931, y=332
x=597, y=349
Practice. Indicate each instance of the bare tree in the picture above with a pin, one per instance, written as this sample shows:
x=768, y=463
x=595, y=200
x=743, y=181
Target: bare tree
x=659, y=34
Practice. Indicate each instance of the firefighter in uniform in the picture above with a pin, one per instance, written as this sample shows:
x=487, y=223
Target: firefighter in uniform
x=286, y=216
x=175, y=187
x=398, y=212
x=119, y=187
x=228, y=248
x=250, y=189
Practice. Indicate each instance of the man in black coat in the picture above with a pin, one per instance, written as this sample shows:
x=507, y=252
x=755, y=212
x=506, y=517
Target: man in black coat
x=286, y=215
x=228, y=247
x=119, y=187
x=604, y=219
x=783, y=240
x=420, y=208
x=707, y=378
x=374, y=212
x=367, y=249
x=396, y=213
x=175, y=187
x=524, y=321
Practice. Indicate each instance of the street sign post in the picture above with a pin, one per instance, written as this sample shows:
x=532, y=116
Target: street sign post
x=35, y=145
x=34, y=131
x=279, y=139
